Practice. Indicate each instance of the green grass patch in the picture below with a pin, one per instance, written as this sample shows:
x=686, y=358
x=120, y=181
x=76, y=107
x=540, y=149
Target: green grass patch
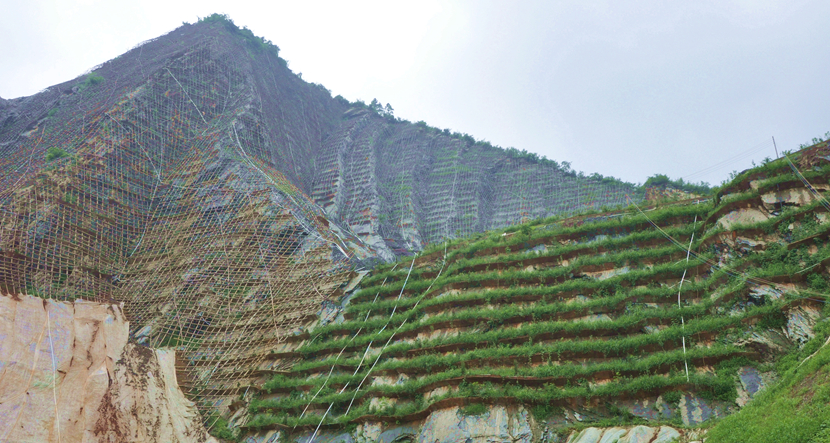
x=795, y=410
x=474, y=409
x=54, y=153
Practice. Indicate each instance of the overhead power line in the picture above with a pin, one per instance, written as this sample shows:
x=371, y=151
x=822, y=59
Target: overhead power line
x=731, y=160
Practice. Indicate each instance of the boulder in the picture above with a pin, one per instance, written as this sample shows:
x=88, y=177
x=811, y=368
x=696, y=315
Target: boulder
x=638, y=434
x=587, y=435
x=666, y=435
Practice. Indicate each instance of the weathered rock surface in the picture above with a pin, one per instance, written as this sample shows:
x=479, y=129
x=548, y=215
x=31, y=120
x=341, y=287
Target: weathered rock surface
x=742, y=217
x=636, y=434
x=497, y=424
x=68, y=374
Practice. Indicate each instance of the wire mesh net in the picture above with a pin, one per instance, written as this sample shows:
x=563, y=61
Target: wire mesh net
x=149, y=182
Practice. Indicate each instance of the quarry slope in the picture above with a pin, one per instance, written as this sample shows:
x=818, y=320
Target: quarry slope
x=149, y=183
x=225, y=200
x=235, y=210
x=69, y=374
x=671, y=315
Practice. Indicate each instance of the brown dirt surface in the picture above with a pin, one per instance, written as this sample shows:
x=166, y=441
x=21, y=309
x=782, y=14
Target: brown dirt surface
x=816, y=155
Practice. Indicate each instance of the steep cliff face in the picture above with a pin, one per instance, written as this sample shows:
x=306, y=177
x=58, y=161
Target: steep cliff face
x=154, y=182
x=394, y=184
x=69, y=374
x=401, y=186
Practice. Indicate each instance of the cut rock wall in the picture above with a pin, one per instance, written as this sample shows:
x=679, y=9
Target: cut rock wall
x=498, y=424
x=69, y=374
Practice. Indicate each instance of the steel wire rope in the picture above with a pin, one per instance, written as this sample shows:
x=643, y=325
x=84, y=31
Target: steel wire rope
x=826, y=342
x=209, y=376
x=331, y=371
x=368, y=312
x=28, y=164
x=271, y=298
x=284, y=282
x=138, y=58
x=54, y=375
x=679, y=291
x=390, y=316
x=308, y=229
x=745, y=278
x=709, y=262
x=368, y=347
x=452, y=194
x=151, y=212
x=809, y=186
x=155, y=169
x=267, y=271
x=210, y=126
x=738, y=157
x=173, y=293
x=314, y=435
x=348, y=212
x=380, y=353
x=159, y=181
x=294, y=267
x=826, y=205
x=186, y=94
x=27, y=383
x=154, y=189
x=229, y=329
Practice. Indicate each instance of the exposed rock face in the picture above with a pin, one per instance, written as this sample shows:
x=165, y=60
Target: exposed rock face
x=394, y=184
x=636, y=434
x=498, y=423
x=521, y=336
x=167, y=182
x=400, y=186
x=225, y=201
x=68, y=374
x=145, y=402
x=742, y=216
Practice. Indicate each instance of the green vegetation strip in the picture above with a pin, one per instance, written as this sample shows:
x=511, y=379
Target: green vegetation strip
x=721, y=387
x=630, y=224
x=668, y=338
x=538, y=311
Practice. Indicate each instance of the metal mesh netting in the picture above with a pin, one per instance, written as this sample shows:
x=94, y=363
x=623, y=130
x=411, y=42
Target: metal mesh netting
x=153, y=185
x=404, y=186
x=177, y=179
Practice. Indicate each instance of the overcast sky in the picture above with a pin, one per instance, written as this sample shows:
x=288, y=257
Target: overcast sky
x=680, y=88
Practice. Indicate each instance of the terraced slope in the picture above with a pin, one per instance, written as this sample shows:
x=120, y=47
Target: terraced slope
x=670, y=314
